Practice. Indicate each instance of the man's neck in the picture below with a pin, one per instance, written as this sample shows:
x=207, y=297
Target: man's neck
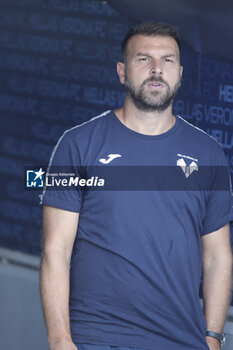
x=148, y=123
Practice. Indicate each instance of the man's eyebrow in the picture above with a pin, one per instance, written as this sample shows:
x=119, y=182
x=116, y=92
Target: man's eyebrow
x=169, y=55
x=143, y=54
x=148, y=55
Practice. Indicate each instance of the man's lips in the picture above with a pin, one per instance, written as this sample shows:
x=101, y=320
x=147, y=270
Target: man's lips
x=155, y=85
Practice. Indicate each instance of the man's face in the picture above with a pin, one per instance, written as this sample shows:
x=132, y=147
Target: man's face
x=152, y=72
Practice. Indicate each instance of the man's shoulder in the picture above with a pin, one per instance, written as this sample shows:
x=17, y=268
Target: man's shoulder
x=80, y=135
x=198, y=135
x=88, y=126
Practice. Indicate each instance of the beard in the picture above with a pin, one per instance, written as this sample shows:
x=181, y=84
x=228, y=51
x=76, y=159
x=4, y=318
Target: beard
x=150, y=101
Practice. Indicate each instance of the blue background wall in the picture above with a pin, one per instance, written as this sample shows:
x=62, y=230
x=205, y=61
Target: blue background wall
x=57, y=63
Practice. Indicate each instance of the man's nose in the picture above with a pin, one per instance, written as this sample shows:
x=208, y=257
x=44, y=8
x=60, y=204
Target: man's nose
x=156, y=67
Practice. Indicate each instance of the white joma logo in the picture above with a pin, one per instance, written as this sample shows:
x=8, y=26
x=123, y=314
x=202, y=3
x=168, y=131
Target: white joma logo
x=110, y=158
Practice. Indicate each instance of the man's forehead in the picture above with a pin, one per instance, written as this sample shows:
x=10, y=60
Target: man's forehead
x=144, y=42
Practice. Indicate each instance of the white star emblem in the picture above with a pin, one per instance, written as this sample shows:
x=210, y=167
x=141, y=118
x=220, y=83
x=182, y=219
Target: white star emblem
x=38, y=174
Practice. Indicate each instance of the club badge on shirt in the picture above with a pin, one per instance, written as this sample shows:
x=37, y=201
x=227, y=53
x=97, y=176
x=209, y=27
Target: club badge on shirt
x=188, y=164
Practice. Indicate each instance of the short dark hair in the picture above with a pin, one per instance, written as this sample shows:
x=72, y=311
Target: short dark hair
x=150, y=29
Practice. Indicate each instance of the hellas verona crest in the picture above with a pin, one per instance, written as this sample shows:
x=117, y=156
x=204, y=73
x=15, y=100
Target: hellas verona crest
x=187, y=164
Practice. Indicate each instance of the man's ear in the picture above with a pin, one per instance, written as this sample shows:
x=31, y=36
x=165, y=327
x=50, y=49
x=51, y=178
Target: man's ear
x=121, y=72
x=181, y=71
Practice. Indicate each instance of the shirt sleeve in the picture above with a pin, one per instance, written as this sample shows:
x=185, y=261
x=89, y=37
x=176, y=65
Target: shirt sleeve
x=64, y=165
x=219, y=203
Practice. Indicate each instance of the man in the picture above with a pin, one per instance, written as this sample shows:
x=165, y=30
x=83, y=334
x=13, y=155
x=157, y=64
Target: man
x=133, y=279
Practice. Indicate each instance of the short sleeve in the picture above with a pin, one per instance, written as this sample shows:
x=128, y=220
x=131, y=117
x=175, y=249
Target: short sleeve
x=64, y=165
x=219, y=202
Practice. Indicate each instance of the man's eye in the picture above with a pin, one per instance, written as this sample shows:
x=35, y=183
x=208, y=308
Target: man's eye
x=168, y=60
x=144, y=59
